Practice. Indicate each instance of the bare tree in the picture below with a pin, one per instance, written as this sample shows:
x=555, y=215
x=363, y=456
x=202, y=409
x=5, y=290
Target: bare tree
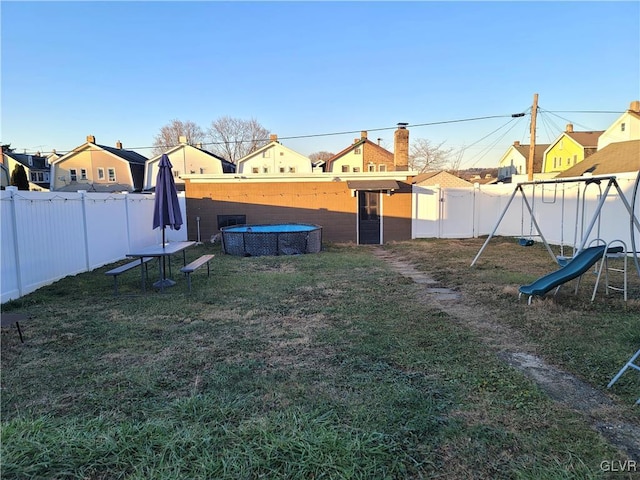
x=234, y=138
x=322, y=155
x=426, y=156
x=170, y=135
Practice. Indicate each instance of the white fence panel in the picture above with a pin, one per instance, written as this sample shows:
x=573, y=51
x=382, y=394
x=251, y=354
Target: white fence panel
x=457, y=213
x=426, y=212
x=563, y=211
x=47, y=236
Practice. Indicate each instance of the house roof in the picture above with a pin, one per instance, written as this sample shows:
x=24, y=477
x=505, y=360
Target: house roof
x=128, y=155
x=538, y=154
x=586, y=139
x=616, y=157
x=360, y=142
x=372, y=185
x=37, y=162
x=444, y=178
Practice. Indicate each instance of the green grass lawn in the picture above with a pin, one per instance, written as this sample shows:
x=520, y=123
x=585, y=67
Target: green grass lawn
x=306, y=367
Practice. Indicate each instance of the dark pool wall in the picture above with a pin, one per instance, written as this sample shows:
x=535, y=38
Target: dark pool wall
x=256, y=240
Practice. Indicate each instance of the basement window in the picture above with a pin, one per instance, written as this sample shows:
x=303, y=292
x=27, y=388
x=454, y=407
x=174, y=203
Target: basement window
x=228, y=220
x=345, y=168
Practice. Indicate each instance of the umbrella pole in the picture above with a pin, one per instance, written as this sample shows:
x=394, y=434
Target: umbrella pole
x=164, y=265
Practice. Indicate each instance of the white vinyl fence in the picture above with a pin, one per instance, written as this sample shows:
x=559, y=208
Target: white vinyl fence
x=47, y=236
x=563, y=212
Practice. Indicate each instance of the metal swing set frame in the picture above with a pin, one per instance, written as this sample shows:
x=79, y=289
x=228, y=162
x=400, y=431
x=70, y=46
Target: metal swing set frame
x=596, y=179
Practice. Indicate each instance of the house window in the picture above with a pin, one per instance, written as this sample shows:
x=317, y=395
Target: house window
x=281, y=169
x=575, y=159
x=201, y=170
x=382, y=168
x=265, y=154
x=622, y=126
x=265, y=169
x=356, y=169
x=372, y=167
x=175, y=173
x=112, y=174
x=101, y=174
x=83, y=174
x=356, y=151
x=74, y=174
x=281, y=154
x=554, y=162
x=345, y=168
x=33, y=177
x=254, y=170
x=292, y=169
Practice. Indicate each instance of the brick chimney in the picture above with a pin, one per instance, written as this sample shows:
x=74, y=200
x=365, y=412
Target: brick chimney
x=119, y=145
x=273, y=137
x=182, y=139
x=363, y=134
x=401, y=148
x=635, y=106
x=569, y=127
x=516, y=143
x=91, y=139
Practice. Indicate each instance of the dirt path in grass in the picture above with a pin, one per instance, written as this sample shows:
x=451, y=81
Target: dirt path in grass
x=510, y=346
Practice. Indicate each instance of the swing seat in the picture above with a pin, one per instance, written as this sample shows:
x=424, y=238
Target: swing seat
x=525, y=242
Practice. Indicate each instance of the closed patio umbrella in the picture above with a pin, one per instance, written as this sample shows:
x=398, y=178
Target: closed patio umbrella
x=166, y=209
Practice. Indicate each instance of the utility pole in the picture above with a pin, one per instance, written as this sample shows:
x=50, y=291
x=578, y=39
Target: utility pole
x=532, y=146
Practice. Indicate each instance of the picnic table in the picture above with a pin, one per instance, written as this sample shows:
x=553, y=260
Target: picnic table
x=162, y=251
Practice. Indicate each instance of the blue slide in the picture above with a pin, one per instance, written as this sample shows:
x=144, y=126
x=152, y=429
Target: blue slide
x=576, y=267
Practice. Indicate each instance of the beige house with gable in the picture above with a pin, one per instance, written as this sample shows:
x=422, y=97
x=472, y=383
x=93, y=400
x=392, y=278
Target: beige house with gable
x=186, y=160
x=98, y=168
x=625, y=128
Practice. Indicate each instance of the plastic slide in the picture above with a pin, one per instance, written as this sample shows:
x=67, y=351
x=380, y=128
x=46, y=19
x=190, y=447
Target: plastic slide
x=576, y=267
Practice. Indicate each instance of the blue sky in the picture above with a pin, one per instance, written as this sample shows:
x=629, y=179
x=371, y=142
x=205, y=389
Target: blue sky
x=122, y=70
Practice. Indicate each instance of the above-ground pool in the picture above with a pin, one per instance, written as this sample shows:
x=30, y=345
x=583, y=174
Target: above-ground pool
x=276, y=239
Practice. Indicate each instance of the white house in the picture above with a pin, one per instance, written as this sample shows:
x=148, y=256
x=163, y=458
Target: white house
x=516, y=158
x=625, y=128
x=186, y=159
x=274, y=158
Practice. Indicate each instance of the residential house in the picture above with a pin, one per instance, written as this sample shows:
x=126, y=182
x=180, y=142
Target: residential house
x=618, y=157
x=569, y=149
x=98, y=168
x=625, y=128
x=440, y=178
x=4, y=177
x=363, y=155
x=186, y=159
x=36, y=166
x=274, y=158
x=516, y=160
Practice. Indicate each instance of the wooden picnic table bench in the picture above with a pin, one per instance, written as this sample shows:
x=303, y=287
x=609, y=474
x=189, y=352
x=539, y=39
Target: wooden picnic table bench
x=193, y=266
x=114, y=272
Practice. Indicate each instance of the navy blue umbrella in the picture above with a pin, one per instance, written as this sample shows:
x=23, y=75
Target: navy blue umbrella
x=166, y=209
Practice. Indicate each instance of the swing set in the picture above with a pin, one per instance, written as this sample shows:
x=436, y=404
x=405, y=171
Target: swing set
x=581, y=233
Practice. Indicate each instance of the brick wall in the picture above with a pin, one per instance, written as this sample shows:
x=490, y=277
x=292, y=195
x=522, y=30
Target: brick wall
x=328, y=204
